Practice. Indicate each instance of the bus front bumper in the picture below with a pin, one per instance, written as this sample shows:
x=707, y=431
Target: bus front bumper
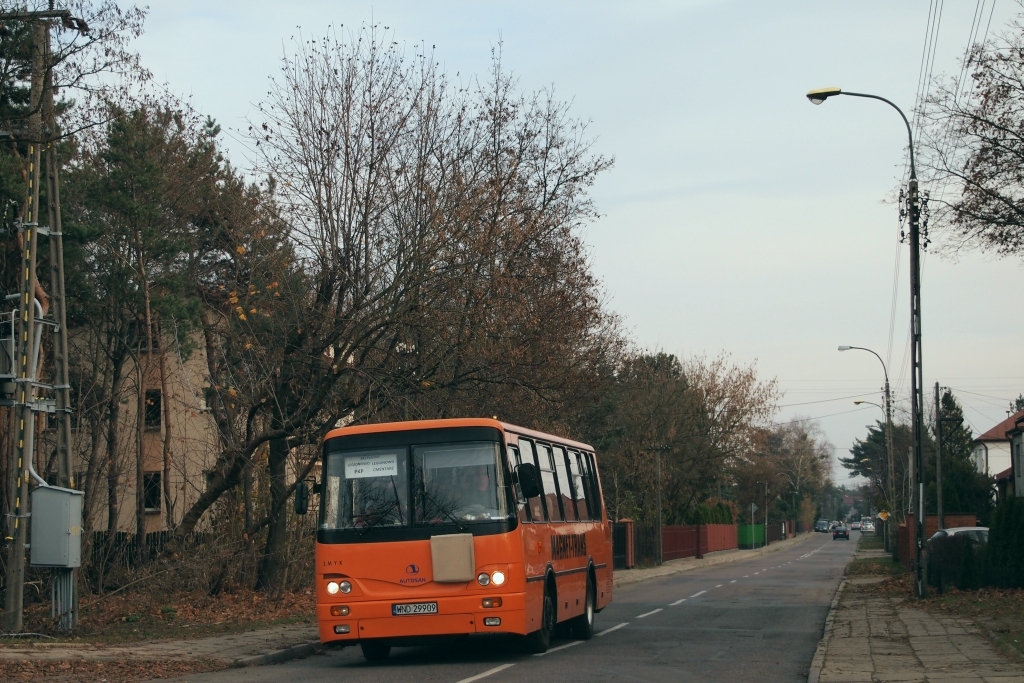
x=461, y=615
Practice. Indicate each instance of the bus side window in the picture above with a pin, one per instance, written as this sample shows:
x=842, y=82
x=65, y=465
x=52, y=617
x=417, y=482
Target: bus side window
x=547, y=478
x=594, y=491
x=564, y=487
x=521, y=510
x=534, y=505
x=579, y=485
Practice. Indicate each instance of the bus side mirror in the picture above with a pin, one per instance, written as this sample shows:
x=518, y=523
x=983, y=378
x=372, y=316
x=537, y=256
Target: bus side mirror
x=529, y=482
x=301, y=498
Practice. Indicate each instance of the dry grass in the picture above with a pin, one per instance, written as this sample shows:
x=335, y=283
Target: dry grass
x=1000, y=613
x=96, y=672
x=154, y=614
x=874, y=566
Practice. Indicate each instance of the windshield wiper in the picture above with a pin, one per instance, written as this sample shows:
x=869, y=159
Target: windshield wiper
x=445, y=512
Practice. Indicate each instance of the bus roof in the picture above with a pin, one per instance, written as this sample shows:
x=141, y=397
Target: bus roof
x=450, y=423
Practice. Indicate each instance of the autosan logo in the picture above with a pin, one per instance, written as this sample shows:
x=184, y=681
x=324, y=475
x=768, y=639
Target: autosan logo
x=410, y=580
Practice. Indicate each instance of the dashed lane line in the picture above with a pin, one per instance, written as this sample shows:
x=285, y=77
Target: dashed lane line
x=718, y=586
x=560, y=647
x=647, y=614
x=489, y=672
x=733, y=581
x=607, y=630
x=677, y=602
x=698, y=593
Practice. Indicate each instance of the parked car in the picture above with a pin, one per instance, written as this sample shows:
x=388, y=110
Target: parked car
x=867, y=525
x=821, y=525
x=841, y=532
x=855, y=526
x=978, y=534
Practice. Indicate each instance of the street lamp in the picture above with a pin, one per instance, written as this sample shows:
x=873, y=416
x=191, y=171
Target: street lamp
x=917, y=377
x=765, y=482
x=891, y=493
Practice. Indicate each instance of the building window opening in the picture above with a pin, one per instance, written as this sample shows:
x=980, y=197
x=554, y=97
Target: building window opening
x=153, y=408
x=151, y=491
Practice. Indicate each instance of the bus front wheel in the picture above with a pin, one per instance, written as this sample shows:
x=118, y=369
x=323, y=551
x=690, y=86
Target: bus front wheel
x=375, y=650
x=540, y=640
x=583, y=625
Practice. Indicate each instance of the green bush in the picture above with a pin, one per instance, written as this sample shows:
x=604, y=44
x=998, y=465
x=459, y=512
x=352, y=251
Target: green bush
x=1004, y=557
x=953, y=561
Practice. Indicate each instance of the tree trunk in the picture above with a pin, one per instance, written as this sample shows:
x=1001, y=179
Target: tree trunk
x=166, y=477
x=140, y=477
x=113, y=416
x=272, y=566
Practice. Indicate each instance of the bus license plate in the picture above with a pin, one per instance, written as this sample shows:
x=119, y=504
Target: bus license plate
x=414, y=608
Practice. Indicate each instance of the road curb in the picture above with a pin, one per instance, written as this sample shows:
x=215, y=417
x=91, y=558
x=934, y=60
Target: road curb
x=818, y=661
x=300, y=651
x=626, y=578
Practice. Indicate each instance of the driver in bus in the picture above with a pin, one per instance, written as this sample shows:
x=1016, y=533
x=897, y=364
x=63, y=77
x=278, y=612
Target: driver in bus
x=476, y=488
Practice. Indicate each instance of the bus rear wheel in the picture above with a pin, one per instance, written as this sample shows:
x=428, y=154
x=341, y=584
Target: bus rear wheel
x=583, y=625
x=375, y=650
x=540, y=640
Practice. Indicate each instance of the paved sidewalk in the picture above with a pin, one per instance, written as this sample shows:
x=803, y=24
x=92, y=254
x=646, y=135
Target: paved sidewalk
x=872, y=636
x=628, y=576
x=251, y=648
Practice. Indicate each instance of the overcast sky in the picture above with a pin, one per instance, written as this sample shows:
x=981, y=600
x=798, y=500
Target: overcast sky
x=738, y=217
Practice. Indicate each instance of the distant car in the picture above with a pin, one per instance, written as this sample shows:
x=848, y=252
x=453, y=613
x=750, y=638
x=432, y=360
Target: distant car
x=855, y=526
x=840, y=532
x=978, y=534
x=867, y=525
x=821, y=525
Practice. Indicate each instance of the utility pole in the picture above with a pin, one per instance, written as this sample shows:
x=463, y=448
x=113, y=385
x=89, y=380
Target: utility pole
x=26, y=334
x=917, y=376
x=892, y=470
x=25, y=359
x=657, y=468
x=938, y=458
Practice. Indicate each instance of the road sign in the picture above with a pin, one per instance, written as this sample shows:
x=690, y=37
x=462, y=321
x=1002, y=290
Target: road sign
x=753, y=508
x=883, y=515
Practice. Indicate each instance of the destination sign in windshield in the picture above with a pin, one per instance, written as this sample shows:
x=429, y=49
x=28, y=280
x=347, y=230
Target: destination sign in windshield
x=375, y=465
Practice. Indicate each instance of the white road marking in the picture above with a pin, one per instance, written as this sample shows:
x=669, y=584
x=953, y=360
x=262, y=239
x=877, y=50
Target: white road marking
x=746, y=576
x=560, y=647
x=487, y=673
x=681, y=600
x=733, y=581
x=607, y=630
x=699, y=593
x=718, y=586
x=756, y=573
x=647, y=614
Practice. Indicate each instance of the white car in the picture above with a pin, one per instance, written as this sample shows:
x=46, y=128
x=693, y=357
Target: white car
x=978, y=534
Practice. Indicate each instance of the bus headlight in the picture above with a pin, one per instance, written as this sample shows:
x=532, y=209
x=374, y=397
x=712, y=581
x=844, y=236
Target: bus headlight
x=333, y=587
x=483, y=579
x=498, y=578
x=345, y=586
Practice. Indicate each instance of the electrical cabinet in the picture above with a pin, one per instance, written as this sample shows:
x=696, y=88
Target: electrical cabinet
x=56, y=527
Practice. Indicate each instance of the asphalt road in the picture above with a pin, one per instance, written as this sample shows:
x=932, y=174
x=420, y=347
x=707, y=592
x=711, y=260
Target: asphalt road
x=755, y=620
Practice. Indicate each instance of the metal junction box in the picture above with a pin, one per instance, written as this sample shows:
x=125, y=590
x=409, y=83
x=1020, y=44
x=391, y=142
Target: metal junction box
x=56, y=527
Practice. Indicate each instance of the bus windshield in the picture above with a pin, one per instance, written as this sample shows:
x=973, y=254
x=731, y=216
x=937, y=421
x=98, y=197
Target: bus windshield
x=460, y=482
x=448, y=483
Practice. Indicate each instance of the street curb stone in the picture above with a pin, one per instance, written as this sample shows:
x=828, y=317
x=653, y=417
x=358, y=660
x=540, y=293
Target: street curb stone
x=631, y=576
x=818, y=661
x=300, y=651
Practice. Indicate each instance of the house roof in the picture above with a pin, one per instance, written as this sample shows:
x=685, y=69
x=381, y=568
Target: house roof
x=998, y=433
x=1005, y=474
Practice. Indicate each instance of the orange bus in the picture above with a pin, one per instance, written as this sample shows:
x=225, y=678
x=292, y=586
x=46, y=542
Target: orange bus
x=457, y=527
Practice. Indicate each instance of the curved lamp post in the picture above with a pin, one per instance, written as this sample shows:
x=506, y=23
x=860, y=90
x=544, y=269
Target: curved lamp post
x=917, y=378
